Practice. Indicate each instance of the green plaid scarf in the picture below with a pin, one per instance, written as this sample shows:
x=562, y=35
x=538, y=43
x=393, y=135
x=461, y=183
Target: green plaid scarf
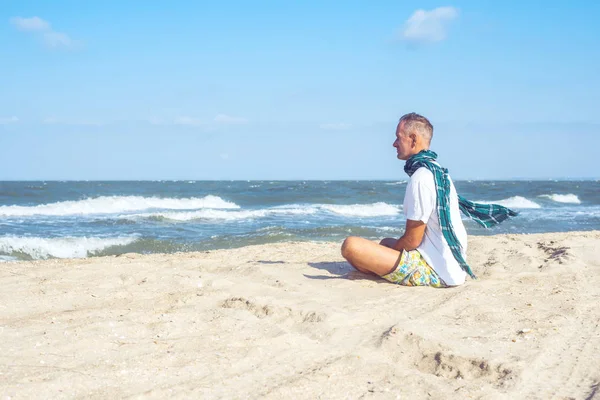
x=486, y=215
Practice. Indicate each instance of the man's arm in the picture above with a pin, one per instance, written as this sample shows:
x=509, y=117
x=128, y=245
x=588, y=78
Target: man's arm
x=413, y=236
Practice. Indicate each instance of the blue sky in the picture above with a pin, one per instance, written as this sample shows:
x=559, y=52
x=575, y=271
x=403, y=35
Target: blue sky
x=296, y=89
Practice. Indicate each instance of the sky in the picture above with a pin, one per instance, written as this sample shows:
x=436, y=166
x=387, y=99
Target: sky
x=103, y=90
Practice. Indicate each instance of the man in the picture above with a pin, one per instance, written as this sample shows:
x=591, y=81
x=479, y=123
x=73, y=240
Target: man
x=432, y=251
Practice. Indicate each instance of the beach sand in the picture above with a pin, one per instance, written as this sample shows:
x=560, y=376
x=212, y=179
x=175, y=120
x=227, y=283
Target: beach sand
x=293, y=320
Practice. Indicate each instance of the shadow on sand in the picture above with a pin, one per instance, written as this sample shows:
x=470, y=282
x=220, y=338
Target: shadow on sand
x=341, y=270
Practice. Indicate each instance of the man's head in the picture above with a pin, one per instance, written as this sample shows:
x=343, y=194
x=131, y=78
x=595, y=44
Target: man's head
x=413, y=134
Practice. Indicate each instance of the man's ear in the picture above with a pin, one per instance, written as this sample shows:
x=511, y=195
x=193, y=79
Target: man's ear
x=413, y=139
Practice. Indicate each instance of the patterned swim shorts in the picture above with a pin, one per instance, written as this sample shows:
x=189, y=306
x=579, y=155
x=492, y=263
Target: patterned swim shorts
x=413, y=270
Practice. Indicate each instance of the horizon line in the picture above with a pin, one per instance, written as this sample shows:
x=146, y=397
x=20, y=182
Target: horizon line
x=562, y=179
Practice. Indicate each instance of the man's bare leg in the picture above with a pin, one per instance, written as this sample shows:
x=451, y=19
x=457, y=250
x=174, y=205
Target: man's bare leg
x=369, y=257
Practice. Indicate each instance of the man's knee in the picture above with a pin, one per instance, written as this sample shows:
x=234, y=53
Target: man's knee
x=348, y=247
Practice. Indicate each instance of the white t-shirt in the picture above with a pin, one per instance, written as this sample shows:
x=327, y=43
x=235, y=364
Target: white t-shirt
x=420, y=204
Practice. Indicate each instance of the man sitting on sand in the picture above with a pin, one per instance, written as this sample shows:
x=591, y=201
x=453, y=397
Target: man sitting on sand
x=432, y=251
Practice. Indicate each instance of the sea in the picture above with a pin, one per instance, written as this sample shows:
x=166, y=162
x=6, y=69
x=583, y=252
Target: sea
x=78, y=219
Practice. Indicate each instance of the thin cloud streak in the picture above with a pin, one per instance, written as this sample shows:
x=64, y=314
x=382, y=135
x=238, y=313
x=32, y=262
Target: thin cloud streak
x=57, y=40
x=9, y=120
x=229, y=120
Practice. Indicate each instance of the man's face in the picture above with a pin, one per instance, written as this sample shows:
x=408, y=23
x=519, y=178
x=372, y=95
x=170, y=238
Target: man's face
x=403, y=143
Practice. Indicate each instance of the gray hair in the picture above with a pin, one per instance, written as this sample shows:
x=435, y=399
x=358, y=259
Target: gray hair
x=418, y=124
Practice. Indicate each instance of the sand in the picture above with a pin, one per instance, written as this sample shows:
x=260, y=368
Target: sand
x=293, y=320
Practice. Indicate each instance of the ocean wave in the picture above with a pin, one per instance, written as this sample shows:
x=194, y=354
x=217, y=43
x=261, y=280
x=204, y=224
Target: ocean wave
x=221, y=214
x=333, y=232
x=354, y=210
x=514, y=202
x=395, y=183
x=363, y=210
x=563, y=198
x=398, y=229
x=62, y=247
x=116, y=204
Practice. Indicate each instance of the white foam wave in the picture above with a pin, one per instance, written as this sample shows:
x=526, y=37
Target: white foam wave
x=116, y=204
x=8, y=259
x=226, y=215
x=63, y=247
x=396, y=183
x=514, y=202
x=563, y=198
x=354, y=210
x=363, y=210
x=387, y=228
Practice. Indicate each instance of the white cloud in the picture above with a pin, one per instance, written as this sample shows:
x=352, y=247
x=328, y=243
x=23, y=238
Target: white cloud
x=8, y=120
x=335, y=127
x=55, y=40
x=229, y=120
x=224, y=156
x=428, y=26
x=43, y=29
x=188, y=121
x=30, y=24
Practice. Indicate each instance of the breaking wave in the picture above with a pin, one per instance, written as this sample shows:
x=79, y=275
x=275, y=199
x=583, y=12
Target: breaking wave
x=363, y=210
x=64, y=247
x=514, y=202
x=354, y=210
x=116, y=204
x=563, y=198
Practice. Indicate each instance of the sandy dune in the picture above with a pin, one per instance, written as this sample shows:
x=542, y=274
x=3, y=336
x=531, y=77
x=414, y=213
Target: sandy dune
x=292, y=320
